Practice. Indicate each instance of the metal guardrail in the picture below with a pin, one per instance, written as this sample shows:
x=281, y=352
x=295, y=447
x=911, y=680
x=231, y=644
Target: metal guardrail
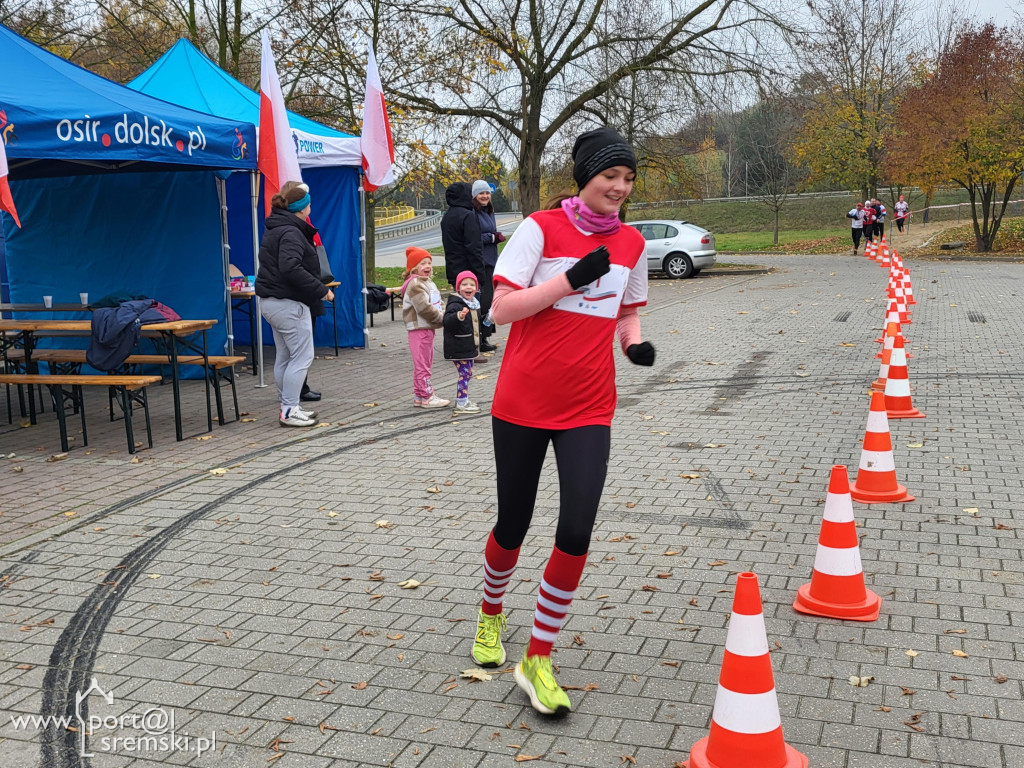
x=386, y=215
x=423, y=220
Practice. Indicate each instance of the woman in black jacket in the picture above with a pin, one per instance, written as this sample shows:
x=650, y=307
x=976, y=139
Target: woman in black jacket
x=289, y=287
x=460, y=233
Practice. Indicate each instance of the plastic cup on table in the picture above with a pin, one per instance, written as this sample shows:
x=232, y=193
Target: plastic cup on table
x=48, y=301
x=84, y=298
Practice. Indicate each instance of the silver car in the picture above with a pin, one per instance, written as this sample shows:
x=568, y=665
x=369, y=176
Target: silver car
x=676, y=248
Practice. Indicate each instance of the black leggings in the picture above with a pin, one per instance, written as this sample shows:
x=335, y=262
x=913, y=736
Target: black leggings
x=582, y=457
x=856, y=232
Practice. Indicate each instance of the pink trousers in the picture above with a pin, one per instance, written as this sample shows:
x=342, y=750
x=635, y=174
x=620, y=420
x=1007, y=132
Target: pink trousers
x=421, y=345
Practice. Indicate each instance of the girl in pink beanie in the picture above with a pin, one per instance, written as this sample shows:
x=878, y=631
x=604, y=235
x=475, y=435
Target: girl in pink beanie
x=462, y=335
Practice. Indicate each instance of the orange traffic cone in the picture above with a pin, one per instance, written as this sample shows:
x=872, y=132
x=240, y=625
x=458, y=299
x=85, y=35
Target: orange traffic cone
x=892, y=315
x=746, y=727
x=885, y=261
x=876, y=475
x=891, y=332
x=895, y=295
x=897, y=385
x=837, y=587
x=908, y=288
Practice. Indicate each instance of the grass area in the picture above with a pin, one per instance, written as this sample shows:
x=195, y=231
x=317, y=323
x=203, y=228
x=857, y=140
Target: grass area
x=1009, y=240
x=798, y=214
x=391, y=277
x=801, y=239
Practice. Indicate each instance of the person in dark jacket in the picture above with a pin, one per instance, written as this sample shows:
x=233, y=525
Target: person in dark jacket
x=460, y=233
x=289, y=287
x=489, y=239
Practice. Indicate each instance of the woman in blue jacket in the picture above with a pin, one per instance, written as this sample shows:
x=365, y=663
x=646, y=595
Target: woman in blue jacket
x=489, y=237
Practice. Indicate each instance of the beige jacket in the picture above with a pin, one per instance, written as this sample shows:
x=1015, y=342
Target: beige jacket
x=421, y=305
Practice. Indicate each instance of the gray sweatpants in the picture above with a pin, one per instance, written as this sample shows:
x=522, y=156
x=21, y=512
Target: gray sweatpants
x=293, y=338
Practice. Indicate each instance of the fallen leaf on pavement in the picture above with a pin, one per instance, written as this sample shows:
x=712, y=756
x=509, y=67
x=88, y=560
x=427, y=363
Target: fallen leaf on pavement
x=911, y=653
x=218, y=471
x=959, y=653
x=476, y=674
x=860, y=682
x=57, y=457
x=359, y=686
x=410, y=584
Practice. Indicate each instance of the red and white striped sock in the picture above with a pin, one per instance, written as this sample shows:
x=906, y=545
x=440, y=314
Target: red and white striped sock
x=498, y=566
x=557, y=589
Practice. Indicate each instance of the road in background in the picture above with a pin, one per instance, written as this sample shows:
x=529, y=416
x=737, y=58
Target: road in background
x=391, y=252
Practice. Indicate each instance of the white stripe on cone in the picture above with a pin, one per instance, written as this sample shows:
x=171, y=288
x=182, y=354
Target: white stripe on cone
x=747, y=712
x=747, y=635
x=897, y=387
x=877, y=461
x=838, y=562
x=838, y=508
x=877, y=420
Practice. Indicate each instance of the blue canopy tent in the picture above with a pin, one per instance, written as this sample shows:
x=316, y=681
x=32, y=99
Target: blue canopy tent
x=116, y=190
x=330, y=162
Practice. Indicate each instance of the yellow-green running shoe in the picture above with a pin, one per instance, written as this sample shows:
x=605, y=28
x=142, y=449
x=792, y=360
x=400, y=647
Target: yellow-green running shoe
x=535, y=676
x=488, y=650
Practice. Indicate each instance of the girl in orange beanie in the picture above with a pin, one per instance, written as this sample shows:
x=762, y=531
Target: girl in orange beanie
x=423, y=314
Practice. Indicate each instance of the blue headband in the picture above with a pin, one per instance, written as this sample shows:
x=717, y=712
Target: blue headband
x=298, y=205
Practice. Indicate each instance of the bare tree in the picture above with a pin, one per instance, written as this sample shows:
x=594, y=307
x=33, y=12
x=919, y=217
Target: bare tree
x=528, y=69
x=764, y=132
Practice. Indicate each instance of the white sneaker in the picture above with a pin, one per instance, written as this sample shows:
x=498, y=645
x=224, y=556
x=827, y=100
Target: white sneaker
x=297, y=418
x=435, y=402
x=307, y=413
x=469, y=407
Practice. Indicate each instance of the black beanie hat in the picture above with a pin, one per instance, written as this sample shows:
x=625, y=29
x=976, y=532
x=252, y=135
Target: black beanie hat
x=596, y=150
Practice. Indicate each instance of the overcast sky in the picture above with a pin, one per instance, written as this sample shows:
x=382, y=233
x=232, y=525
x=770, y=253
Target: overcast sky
x=1001, y=11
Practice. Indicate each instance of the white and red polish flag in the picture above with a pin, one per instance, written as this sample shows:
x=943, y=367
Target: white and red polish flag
x=6, y=200
x=276, y=156
x=375, y=143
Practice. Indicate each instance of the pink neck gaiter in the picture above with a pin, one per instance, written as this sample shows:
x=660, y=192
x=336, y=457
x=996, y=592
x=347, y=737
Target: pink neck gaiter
x=584, y=218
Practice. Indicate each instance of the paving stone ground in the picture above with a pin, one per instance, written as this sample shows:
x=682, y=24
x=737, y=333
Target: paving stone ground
x=263, y=604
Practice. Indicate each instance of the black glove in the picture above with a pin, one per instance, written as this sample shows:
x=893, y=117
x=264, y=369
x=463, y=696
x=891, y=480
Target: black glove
x=589, y=268
x=641, y=354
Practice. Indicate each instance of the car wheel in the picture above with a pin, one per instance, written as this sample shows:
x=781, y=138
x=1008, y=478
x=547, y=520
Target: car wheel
x=678, y=265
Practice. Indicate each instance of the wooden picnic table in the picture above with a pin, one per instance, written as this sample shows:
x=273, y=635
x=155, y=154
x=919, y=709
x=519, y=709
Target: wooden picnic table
x=23, y=334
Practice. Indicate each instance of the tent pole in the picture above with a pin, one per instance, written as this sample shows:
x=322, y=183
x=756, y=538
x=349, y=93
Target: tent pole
x=256, y=335
x=226, y=250
x=362, y=257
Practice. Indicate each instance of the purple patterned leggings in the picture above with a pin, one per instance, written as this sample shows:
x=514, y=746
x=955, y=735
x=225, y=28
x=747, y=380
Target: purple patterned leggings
x=465, y=369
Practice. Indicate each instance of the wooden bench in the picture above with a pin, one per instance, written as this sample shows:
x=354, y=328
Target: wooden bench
x=128, y=390
x=70, y=360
